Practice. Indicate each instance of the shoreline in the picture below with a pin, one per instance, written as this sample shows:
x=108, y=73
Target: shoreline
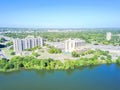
x=85, y=66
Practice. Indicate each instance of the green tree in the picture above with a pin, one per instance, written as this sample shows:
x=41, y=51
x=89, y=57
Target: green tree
x=12, y=53
x=54, y=50
x=9, y=43
x=75, y=54
x=35, y=54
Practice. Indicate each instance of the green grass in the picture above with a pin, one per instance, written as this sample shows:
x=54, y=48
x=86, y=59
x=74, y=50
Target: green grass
x=7, y=52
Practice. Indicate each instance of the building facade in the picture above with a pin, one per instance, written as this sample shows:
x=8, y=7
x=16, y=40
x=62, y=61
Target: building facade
x=73, y=45
x=29, y=42
x=108, y=36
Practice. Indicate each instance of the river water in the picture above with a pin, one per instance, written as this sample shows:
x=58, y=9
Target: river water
x=103, y=77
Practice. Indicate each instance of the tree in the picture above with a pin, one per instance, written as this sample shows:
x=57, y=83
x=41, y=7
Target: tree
x=9, y=43
x=54, y=50
x=75, y=54
x=118, y=60
x=102, y=58
x=3, y=63
x=12, y=53
x=35, y=54
x=109, y=57
x=21, y=65
x=105, y=43
x=9, y=66
x=2, y=40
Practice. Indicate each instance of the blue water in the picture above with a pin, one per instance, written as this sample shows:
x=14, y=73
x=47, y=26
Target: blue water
x=104, y=77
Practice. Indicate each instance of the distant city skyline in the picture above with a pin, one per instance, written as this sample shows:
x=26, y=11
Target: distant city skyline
x=60, y=13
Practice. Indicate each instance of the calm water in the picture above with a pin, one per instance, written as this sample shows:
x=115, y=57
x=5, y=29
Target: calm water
x=91, y=78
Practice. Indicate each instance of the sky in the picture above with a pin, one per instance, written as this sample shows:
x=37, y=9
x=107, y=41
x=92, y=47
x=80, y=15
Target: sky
x=60, y=13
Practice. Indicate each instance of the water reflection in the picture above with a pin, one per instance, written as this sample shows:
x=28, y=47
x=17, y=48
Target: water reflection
x=69, y=72
x=43, y=73
x=108, y=64
x=81, y=68
x=92, y=67
x=103, y=78
x=10, y=73
x=118, y=65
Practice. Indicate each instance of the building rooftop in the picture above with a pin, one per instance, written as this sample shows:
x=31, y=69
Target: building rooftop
x=76, y=40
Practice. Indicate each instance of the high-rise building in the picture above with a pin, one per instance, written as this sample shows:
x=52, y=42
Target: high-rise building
x=29, y=42
x=108, y=36
x=73, y=44
x=18, y=45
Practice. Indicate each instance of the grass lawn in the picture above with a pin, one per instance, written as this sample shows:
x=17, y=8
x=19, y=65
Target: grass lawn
x=7, y=52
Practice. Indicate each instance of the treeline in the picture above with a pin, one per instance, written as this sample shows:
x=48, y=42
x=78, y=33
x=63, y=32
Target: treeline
x=29, y=62
x=88, y=36
x=95, y=37
x=101, y=55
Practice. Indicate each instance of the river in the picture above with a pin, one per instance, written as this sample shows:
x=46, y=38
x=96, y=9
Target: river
x=103, y=77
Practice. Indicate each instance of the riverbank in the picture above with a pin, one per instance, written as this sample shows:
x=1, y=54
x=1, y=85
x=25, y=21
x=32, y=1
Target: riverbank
x=29, y=62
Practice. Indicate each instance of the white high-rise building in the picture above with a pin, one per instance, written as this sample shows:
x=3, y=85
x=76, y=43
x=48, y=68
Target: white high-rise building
x=29, y=42
x=108, y=36
x=73, y=44
x=18, y=45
